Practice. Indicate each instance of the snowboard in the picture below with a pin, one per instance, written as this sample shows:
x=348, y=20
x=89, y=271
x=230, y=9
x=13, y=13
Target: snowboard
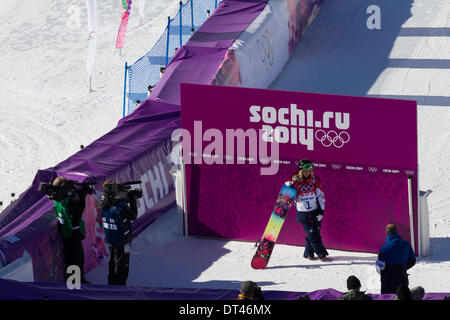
x=284, y=202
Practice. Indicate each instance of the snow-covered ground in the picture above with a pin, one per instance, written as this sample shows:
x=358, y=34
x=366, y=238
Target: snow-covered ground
x=48, y=112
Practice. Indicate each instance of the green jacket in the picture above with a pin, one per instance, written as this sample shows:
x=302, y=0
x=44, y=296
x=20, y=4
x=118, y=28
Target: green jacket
x=355, y=295
x=66, y=222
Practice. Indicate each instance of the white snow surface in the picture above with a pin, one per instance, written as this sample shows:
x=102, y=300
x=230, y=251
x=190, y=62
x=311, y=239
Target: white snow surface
x=48, y=111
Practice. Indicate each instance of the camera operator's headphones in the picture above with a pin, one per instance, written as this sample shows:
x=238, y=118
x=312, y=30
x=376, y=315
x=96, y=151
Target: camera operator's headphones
x=105, y=200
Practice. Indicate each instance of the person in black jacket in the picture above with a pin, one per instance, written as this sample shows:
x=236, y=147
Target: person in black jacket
x=394, y=258
x=250, y=291
x=117, y=217
x=354, y=293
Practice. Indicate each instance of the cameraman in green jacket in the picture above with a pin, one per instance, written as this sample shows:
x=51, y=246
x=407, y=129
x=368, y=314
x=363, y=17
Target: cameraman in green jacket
x=69, y=210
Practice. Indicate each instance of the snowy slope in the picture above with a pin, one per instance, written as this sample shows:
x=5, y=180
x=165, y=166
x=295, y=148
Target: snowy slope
x=48, y=112
x=47, y=109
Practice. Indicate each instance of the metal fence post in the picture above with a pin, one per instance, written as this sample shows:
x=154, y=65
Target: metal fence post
x=181, y=23
x=168, y=37
x=125, y=87
x=192, y=14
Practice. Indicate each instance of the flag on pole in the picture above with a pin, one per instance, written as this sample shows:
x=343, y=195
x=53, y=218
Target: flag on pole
x=92, y=29
x=126, y=7
x=141, y=10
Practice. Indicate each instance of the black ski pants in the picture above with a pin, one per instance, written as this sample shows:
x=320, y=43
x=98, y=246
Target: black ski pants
x=73, y=252
x=313, y=240
x=119, y=262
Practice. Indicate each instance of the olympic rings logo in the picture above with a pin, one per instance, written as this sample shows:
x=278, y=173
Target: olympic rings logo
x=372, y=169
x=336, y=166
x=265, y=48
x=332, y=138
x=409, y=172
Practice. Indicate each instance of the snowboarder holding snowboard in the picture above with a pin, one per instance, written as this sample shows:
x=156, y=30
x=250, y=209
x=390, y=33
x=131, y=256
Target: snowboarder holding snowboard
x=310, y=205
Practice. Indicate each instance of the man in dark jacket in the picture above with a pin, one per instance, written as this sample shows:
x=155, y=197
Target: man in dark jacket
x=354, y=293
x=395, y=257
x=117, y=217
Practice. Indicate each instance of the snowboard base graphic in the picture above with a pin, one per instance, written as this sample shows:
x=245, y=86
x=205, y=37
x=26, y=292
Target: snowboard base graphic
x=284, y=202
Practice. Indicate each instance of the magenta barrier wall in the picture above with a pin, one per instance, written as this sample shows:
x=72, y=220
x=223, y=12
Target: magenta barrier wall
x=364, y=176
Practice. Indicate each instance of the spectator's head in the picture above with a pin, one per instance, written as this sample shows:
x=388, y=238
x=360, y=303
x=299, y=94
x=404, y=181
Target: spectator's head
x=403, y=293
x=249, y=289
x=390, y=228
x=353, y=283
x=417, y=293
x=138, y=101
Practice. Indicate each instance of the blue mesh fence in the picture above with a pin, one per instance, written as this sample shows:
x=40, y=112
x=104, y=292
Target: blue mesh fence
x=146, y=70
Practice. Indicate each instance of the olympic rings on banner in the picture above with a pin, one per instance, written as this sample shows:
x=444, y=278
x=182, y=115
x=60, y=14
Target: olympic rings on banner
x=265, y=48
x=332, y=138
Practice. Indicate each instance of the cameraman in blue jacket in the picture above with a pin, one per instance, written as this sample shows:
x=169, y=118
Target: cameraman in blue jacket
x=117, y=215
x=394, y=258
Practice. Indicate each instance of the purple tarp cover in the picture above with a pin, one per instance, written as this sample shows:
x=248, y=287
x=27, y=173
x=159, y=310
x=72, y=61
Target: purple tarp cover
x=14, y=290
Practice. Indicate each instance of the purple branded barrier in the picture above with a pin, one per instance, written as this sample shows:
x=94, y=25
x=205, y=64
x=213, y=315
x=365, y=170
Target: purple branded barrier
x=364, y=149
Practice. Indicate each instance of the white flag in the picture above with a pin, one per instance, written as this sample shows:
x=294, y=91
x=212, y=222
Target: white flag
x=141, y=10
x=92, y=29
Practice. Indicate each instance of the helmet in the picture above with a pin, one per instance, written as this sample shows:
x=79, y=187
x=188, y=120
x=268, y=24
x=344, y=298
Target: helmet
x=301, y=164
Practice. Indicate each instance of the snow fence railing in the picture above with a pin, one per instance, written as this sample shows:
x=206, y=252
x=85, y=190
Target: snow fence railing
x=146, y=70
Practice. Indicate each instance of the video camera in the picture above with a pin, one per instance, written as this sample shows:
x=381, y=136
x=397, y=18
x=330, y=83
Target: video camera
x=69, y=188
x=115, y=192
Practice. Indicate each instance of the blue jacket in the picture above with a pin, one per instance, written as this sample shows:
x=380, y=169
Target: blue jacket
x=395, y=257
x=117, y=224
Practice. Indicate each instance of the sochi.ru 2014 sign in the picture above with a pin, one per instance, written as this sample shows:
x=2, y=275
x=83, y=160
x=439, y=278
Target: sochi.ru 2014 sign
x=340, y=129
x=240, y=145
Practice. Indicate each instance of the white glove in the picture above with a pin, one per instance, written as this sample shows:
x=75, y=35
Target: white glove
x=319, y=217
x=288, y=183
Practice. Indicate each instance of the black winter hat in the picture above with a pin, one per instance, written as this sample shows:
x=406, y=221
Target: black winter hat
x=403, y=293
x=248, y=288
x=353, y=283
